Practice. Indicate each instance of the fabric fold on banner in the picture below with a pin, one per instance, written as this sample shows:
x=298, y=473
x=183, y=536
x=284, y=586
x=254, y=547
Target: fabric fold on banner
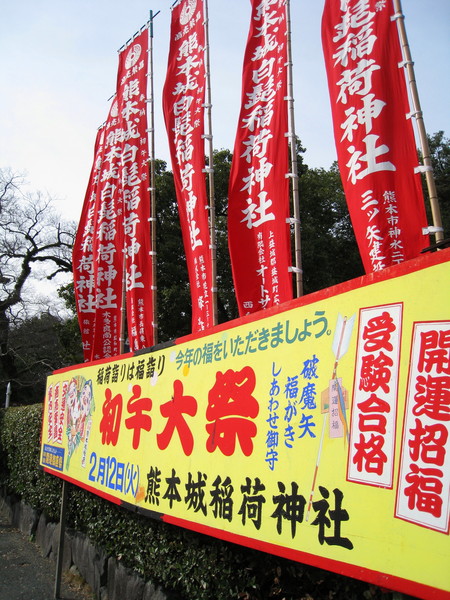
x=374, y=139
x=258, y=196
x=183, y=106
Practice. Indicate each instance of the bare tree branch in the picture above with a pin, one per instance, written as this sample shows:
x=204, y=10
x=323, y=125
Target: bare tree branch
x=31, y=235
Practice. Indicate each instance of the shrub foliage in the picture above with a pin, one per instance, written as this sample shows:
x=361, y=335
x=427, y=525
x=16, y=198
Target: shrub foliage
x=198, y=567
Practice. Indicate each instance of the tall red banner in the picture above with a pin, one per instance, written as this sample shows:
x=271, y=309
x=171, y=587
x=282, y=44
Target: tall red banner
x=374, y=139
x=113, y=238
x=258, y=196
x=131, y=142
x=97, y=252
x=83, y=254
x=183, y=104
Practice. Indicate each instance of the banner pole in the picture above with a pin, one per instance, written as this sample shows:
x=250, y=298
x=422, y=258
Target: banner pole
x=210, y=170
x=123, y=312
x=428, y=168
x=62, y=531
x=152, y=184
x=294, y=169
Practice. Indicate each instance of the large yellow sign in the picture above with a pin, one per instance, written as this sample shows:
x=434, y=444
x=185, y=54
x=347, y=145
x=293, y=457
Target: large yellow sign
x=319, y=432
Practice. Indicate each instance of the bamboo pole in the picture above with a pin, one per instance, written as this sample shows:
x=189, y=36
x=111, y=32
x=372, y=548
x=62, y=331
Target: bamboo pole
x=294, y=170
x=152, y=188
x=210, y=170
x=123, y=312
x=417, y=111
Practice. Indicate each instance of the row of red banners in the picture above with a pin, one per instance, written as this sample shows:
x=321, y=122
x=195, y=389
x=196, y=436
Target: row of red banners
x=375, y=146
x=112, y=255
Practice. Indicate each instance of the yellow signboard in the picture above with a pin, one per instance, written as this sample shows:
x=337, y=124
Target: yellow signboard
x=319, y=431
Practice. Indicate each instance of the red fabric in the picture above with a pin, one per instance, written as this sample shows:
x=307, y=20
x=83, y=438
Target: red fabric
x=82, y=254
x=97, y=258
x=115, y=221
x=134, y=175
x=374, y=139
x=258, y=232
x=183, y=101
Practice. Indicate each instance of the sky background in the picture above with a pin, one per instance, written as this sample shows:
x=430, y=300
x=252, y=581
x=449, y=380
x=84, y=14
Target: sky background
x=58, y=69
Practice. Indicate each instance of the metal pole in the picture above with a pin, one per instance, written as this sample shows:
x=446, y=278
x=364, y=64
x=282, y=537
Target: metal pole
x=152, y=185
x=62, y=530
x=294, y=170
x=8, y=395
x=210, y=170
x=429, y=176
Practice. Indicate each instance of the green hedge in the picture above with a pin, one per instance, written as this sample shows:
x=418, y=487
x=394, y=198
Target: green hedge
x=20, y=431
x=196, y=566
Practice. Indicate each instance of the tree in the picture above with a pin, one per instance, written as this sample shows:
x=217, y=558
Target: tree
x=174, y=301
x=40, y=344
x=226, y=299
x=329, y=251
x=173, y=296
x=439, y=147
x=32, y=238
x=68, y=330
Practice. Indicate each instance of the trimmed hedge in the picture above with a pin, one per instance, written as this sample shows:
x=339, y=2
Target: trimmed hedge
x=197, y=567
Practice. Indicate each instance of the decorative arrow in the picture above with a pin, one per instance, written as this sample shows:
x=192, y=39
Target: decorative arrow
x=341, y=342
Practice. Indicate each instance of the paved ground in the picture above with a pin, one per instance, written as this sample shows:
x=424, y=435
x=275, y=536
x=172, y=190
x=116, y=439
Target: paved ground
x=26, y=575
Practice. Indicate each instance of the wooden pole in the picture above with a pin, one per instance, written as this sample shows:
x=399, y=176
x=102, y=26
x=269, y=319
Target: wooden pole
x=210, y=170
x=153, y=186
x=417, y=111
x=294, y=170
x=62, y=530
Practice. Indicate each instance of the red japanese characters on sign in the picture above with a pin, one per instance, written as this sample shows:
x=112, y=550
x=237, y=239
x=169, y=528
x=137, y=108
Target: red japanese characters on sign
x=229, y=415
x=258, y=212
x=423, y=494
x=374, y=409
x=60, y=413
x=57, y=410
x=374, y=139
x=317, y=431
x=231, y=407
x=50, y=412
x=184, y=103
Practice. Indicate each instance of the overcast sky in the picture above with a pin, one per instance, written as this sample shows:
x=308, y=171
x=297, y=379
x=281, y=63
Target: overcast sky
x=59, y=64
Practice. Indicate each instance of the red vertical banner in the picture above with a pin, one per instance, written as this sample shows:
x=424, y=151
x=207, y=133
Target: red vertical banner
x=98, y=251
x=258, y=211
x=108, y=246
x=83, y=254
x=183, y=105
x=113, y=238
x=131, y=146
x=374, y=139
